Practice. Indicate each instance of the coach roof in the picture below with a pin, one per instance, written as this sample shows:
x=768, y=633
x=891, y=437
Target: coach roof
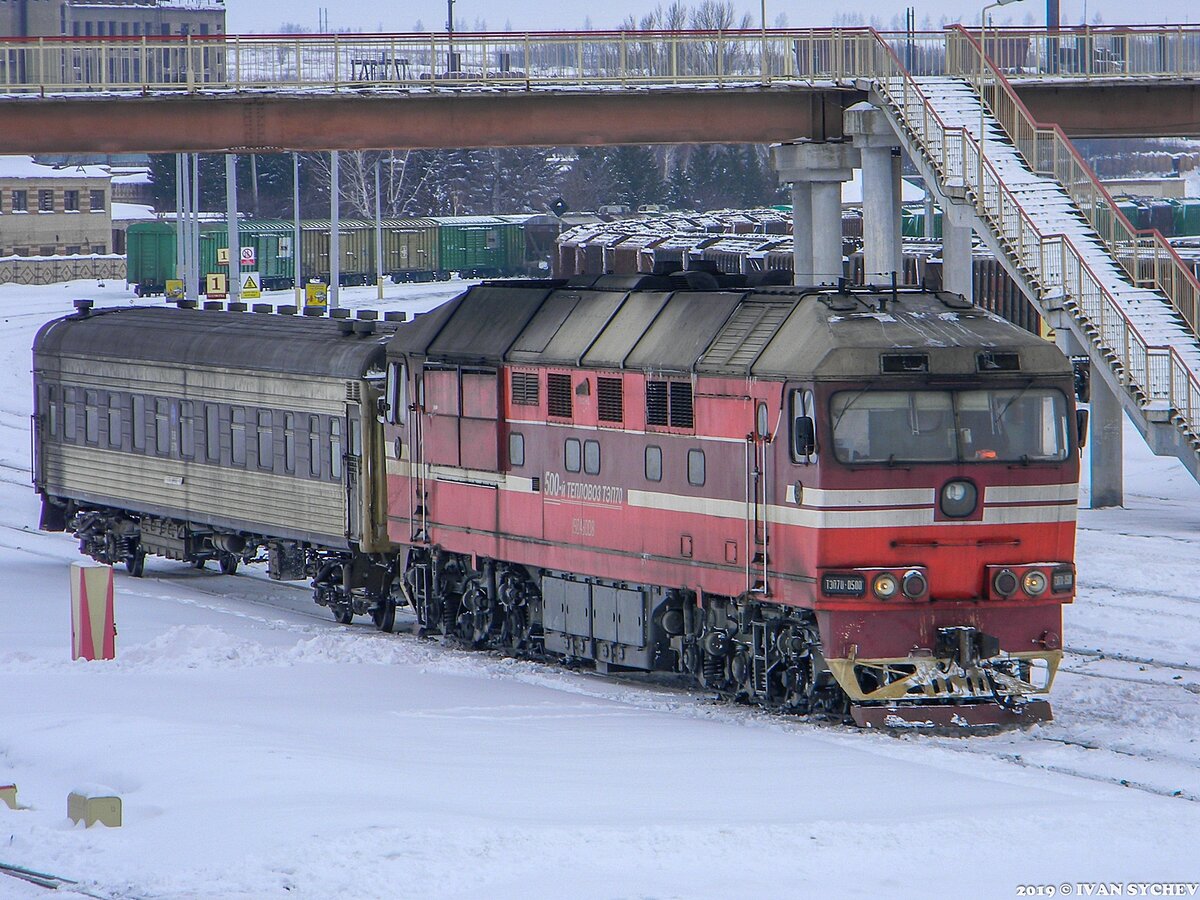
x=186, y=338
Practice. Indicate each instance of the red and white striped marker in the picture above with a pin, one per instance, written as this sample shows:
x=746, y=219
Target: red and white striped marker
x=93, y=626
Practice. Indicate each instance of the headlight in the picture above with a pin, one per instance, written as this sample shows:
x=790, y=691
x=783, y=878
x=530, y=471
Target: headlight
x=885, y=586
x=958, y=499
x=1005, y=583
x=914, y=584
x=1034, y=583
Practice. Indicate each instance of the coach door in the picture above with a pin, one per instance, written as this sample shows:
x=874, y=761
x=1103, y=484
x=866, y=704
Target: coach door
x=757, y=500
x=353, y=475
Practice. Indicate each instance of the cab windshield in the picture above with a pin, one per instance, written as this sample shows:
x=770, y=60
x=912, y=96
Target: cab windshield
x=1011, y=425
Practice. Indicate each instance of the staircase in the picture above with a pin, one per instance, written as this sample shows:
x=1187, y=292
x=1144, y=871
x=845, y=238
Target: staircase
x=1124, y=294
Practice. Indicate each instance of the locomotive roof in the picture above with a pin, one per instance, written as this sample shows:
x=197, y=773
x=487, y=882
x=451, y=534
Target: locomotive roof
x=188, y=338
x=649, y=324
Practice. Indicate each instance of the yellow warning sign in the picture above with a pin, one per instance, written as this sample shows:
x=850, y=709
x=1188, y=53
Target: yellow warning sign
x=174, y=289
x=222, y=256
x=316, y=296
x=251, y=286
x=215, y=287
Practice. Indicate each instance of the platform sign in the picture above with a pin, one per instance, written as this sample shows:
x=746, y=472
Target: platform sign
x=251, y=285
x=174, y=289
x=222, y=256
x=215, y=286
x=248, y=256
x=316, y=296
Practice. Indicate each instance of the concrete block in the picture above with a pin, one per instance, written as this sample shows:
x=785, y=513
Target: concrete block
x=8, y=795
x=82, y=807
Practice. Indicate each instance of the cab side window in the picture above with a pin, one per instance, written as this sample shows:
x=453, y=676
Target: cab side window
x=803, y=426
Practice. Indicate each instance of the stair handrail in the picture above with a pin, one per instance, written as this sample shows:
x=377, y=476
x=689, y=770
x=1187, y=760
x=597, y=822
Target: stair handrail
x=1162, y=373
x=1144, y=254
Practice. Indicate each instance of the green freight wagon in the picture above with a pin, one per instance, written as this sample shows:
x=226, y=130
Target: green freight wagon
x=479, y=246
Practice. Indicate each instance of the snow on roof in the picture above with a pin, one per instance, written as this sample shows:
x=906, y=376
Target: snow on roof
x=25, y=167
x=131, y=176
x=129, y=212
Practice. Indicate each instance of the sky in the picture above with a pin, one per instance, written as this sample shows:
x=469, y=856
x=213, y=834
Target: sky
x=246, y=16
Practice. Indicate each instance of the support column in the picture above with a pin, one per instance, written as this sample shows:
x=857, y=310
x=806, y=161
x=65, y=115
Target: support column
x=234, y=288
x=335, y=230
x=957, y=274
x=816, y=172
x=1105, y=446
x=879, y=147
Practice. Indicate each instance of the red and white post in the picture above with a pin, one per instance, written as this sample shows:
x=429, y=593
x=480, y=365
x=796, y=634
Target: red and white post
x=93, y=626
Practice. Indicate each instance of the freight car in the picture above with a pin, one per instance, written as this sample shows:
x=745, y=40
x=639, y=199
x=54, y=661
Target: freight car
x=415, y=249
x=815, y=500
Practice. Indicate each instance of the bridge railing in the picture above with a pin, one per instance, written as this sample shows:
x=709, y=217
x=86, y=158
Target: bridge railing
x=1096, y=52
x=1054, y=263
x=1146, y=256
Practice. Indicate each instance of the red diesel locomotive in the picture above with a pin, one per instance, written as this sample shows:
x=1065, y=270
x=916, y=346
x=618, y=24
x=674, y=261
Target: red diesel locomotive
x=816, y=500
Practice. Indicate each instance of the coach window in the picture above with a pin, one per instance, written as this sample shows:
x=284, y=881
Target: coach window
x=696, y=467
x=138, y=425
x=804, y=434
x=52, y=409
x=114, y=420
x=212, y=432
x=314, y=445
x=187, y=430
x=289, y=443
x=91, y=417
x=238, y=433
x=162, y=426
x=69, y=413
x=654, y=463
x=516, y=450
x=591, y=457
x=335, y=449
x=573, y=455
x=266, y=440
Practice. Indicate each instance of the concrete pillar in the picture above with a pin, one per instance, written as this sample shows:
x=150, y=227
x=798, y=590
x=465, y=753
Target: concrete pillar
x=234, y=287
x=817, y=224
x=956, y=251
x=1105, y=446
x=802, y=247
x=879, y=147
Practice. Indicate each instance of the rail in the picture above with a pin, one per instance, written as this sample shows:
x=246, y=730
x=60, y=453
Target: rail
x=1052, y=261
x=1146, y=256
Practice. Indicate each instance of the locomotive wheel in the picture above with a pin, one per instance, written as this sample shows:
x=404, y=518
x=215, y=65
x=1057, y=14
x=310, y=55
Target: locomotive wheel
x=343, y=613
x=199, y=563
x=135, y=564
x=228, y=563
x=384, y=614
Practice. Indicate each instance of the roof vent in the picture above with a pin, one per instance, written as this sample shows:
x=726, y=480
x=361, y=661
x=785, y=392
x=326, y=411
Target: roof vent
x=83, y=307
x=363, y=328
x=213, y=305
x=903, y=363
x=339, y=314
x=313, y=311
x=287, y=310
x=367, y=315
x=993, y=361
x=186, y=304
x=346, y=327
x=394, y=316
x=263, y=308
x=236, y=306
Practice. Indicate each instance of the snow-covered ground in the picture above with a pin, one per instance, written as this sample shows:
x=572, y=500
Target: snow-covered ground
x=263, y=751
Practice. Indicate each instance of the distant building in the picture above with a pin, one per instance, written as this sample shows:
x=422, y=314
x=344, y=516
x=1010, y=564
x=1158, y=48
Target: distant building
x=48, y=211
x=105, y=18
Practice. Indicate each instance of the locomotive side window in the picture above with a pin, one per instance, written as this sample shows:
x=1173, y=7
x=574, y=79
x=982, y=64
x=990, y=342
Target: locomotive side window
x=397, y=394
x=574, y=452
x=516, y=450
x=266, y=440
x=138, y=424
x=69, y=414
x=314, y=445
x=335, y=449
x=114, y=420
x=212, y=431
x=91, y=417
x=591, y=457
x=804, y=431
x=237, y=430
x=187, y=430
x=695, y=467
x=654, y=463
x=289, y=443
x=162, y=426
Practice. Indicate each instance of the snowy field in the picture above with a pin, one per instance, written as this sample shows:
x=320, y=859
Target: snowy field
x=263, y=751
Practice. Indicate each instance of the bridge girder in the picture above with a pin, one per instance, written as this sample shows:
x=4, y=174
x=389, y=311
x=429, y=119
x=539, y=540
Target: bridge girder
x=1160, y=108
x=208, y=123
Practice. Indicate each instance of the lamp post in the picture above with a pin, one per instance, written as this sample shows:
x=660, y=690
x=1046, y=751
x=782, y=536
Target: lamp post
x=982, y=108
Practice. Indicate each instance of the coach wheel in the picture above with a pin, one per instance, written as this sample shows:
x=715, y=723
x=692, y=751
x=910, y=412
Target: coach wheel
x=228, y=563
x=384, y=614
x=135, y=563
x=343, y=613
x=199, y=563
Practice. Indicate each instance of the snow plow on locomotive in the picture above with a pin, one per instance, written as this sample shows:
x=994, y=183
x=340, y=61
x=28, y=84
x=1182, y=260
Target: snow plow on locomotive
x=817, y=500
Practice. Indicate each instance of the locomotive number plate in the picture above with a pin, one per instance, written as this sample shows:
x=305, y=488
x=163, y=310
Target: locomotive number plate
x=843, y=584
